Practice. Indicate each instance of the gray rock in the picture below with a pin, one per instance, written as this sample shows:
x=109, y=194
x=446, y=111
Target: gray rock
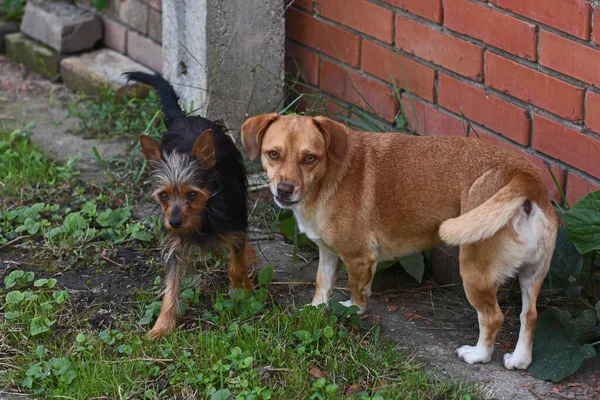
x=88, y=72
x=62, y=26
x=34, y=55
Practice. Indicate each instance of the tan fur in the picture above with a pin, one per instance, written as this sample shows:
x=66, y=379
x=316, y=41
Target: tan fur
x=376, y=196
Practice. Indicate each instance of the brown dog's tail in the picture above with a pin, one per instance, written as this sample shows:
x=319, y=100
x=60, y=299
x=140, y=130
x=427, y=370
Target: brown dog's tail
x=485, y=220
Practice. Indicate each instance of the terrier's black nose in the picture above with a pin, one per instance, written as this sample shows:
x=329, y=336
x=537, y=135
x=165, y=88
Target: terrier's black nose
x=175, y=222
x=285, y=190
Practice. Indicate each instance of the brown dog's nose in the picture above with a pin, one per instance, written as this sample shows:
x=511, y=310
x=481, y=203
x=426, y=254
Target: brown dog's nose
x=285, y=190
x=175, y=222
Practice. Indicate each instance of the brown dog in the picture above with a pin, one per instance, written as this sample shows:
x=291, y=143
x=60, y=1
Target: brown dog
x=366, y=197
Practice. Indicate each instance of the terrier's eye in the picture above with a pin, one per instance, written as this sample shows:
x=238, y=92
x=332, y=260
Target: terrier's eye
x=192, y=195
x=163, y=197
x=273, y=155
x=310, y=159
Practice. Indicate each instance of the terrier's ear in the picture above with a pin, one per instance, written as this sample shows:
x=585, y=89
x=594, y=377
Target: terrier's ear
x=253, y=131
x=336, y=137
x=150, y=149
x=204, y=149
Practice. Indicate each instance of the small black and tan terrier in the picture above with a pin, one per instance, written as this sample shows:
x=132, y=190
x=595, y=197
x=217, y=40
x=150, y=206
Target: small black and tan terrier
x=200, y=184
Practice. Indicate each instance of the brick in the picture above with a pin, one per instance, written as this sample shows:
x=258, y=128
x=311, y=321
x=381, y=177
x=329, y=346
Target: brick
x=360, y=15
x=155, y=4
x=320, y=35
x=358, y=90
x=392, y=67
x=299, y=61
x=492, y=27
x=578, y=188
x=35, y=56
x=571, y=16
x=427, y=120
x=571, y=58
x=115, y=35
x=61, y=26
x=567, y=145
x=484, y=108
x=137, y=16
x=596, y=30
x=539, y=89
x=559, y=174
x=144, y=51
x=155, y=25
x=430, y=9
x=440, y=48
x=592, y=111
x=88, y=72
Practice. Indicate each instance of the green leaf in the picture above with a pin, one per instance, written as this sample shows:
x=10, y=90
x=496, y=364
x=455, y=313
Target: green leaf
x=99, y=4
x=414, y=265
x=40, y=282
x=221, y=394
x=328, y=332
x=11, y=315
x=265, y=276
x=89, y=209
x=80, y=338
x=51, y=283
x=583, y=223
x=14, y=297
x=74, y=222
x=38, y=325
x=556, y=353
x=304, y=336
x=114, y=218
x=566, y=262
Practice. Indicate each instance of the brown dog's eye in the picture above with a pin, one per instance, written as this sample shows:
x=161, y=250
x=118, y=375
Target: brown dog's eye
x=310, y=159
x=273, y=155
x=192, y=195
x=163, y=197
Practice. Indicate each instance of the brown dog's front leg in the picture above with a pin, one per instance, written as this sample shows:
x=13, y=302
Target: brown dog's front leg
x=169, y=309
x=360, y=277
x=327, y=274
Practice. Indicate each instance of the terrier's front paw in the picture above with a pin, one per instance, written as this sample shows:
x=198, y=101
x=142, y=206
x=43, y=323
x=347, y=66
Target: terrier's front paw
x=161, y=328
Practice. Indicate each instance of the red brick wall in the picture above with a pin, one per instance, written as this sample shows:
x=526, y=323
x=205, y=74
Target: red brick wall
x=134, y=28
x=524, y=72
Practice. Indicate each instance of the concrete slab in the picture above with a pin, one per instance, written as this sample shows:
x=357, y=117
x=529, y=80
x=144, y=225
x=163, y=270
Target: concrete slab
x=88, y=72
x=36, y=56
x=62, y=26
x=6, y=28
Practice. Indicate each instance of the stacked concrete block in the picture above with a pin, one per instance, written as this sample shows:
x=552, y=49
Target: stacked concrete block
x=61, y=26
x=36, y=56
x=88, y=72
x=6, y=28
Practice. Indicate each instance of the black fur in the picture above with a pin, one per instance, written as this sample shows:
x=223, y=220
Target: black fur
x=226, y=210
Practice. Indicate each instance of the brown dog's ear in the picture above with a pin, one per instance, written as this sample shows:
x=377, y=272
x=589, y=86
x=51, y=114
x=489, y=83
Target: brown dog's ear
x=336, y=137
x=150, y=149
x=204, y=148
x=253, y=131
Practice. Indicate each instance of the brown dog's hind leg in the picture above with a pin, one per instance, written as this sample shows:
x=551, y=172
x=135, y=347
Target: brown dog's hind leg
x=360, y=276
x=169, y=309
x=531, y=279
x=242, y=255
x=481, y=292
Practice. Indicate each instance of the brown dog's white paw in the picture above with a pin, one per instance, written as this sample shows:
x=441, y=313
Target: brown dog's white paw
x=517, y=360
x=348, y=303
x=474, y=354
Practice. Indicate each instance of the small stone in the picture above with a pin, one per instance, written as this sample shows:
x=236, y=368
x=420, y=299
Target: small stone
x=88, y=72
x=62, y=26
x=6, y=28
x=35, y=56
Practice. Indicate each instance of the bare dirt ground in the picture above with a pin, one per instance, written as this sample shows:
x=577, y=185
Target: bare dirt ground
x=429, y=321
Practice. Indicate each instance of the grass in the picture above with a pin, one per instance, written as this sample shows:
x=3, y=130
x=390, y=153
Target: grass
x=246, y=345
x=111, y=114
